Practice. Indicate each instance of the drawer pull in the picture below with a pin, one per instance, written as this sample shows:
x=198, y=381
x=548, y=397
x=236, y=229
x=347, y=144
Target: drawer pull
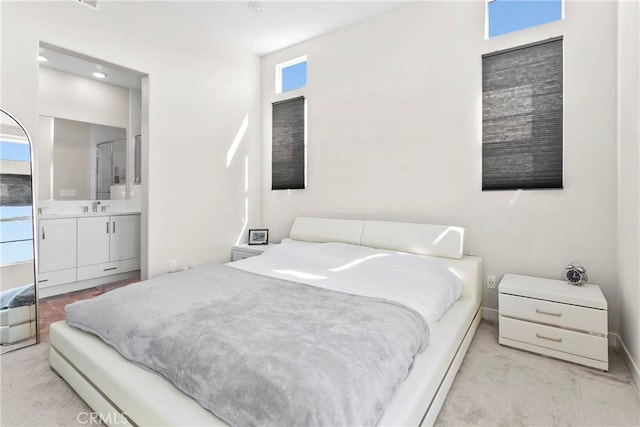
x=549, y=338
x=109, y=269
x=548, y=313
x=43, y=280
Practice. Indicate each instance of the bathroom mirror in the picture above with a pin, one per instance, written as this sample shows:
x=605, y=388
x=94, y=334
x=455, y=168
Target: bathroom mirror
x=18, y=293
x=89, y=160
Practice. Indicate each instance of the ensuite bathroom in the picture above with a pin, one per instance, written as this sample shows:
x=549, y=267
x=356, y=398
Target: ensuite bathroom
x=73, y=198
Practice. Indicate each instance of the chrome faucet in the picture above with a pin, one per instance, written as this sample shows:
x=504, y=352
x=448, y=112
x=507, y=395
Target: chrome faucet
x=94, y=206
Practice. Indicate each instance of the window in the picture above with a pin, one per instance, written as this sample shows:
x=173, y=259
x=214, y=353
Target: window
x=16, y=151
x=506, y=16
x=17, y=234
x=288, y=148
x=291, y=75
x=522, y=104
x=16, y=242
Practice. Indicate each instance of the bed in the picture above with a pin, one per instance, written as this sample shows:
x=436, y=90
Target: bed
x=126, y=394
x=17, y=315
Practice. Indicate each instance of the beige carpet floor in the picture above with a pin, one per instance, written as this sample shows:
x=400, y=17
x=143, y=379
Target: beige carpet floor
x=31, y=394
x=503, y=386
x=496, y=386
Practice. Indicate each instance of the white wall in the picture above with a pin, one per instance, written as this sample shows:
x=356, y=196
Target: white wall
x=629, y=178
x=67, y=96
x=394, y=132
x=196, y=96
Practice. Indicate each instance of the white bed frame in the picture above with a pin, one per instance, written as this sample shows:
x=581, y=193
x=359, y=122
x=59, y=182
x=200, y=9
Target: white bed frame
x=17, y=324
x=125, y=394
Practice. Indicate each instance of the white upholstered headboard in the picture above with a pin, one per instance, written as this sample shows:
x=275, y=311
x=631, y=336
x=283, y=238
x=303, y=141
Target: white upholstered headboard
x=322, y=230
x=443, y=241
x=422, y=239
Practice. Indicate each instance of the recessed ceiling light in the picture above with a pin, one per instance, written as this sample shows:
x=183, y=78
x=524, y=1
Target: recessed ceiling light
x=99, y=75
x=42, y=58
x=255, y=6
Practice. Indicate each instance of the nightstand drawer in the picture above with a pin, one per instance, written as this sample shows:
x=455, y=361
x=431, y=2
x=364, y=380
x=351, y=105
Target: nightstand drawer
x=576, y=343
x=564, y=315
x=245, y=251
x=238, y=255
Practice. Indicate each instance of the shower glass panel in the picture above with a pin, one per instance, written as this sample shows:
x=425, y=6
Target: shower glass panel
x=119, y=151
x=111, y=160
x=103, y=191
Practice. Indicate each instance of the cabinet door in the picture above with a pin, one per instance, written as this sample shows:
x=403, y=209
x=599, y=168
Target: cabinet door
x=125, y=237
x=56, y=244
x=93, y=240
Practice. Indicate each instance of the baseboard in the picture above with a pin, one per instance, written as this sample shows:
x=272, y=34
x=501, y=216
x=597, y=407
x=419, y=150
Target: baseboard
x=614, y=340
x=490, y=314
x=626, y=357
x=84, y=284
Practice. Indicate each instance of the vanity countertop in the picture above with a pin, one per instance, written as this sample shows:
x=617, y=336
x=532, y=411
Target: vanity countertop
x=85, y=215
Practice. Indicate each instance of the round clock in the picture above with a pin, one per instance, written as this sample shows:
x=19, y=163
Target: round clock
x=576, y=274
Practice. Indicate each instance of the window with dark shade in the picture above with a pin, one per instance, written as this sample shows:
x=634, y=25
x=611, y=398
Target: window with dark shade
x=288, y=163
x=522, y=117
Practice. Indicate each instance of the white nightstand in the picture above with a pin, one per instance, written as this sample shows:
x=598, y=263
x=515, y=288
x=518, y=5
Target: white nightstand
x=554, y=318
x=245, y=251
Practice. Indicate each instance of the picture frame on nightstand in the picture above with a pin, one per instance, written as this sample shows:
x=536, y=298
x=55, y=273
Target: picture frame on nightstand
x=258, y=236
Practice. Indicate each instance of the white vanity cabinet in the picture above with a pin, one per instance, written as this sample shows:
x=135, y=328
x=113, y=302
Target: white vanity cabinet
x=79, y=252
x=93, y=240
x=125, y=237
x=108, y=245
x=56, y=251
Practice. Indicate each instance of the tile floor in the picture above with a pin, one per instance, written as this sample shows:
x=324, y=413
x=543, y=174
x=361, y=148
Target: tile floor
x=51, y=309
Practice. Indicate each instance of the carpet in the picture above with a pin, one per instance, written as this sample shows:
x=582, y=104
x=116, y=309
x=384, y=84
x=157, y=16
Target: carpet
x=503, y=386
x=31, y=394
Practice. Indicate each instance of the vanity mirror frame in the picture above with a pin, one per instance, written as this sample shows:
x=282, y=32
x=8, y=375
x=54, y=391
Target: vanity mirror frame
x=35, y=339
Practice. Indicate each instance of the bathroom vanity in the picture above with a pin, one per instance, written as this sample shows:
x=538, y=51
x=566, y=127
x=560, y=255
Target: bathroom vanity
x=80, y=250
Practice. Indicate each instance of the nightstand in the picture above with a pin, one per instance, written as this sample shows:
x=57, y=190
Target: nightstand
x=245, y=251
x=554, y=318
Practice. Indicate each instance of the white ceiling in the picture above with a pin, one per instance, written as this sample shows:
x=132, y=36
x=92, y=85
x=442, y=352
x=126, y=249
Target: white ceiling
x=280, y=24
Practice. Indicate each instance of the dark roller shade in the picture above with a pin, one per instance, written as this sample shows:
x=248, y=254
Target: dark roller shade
x=16, y=190
x=288, y=150
x=522, y=117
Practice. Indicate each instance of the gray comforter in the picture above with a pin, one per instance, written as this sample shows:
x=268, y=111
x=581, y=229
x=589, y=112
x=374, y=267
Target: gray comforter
x=256, y=350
